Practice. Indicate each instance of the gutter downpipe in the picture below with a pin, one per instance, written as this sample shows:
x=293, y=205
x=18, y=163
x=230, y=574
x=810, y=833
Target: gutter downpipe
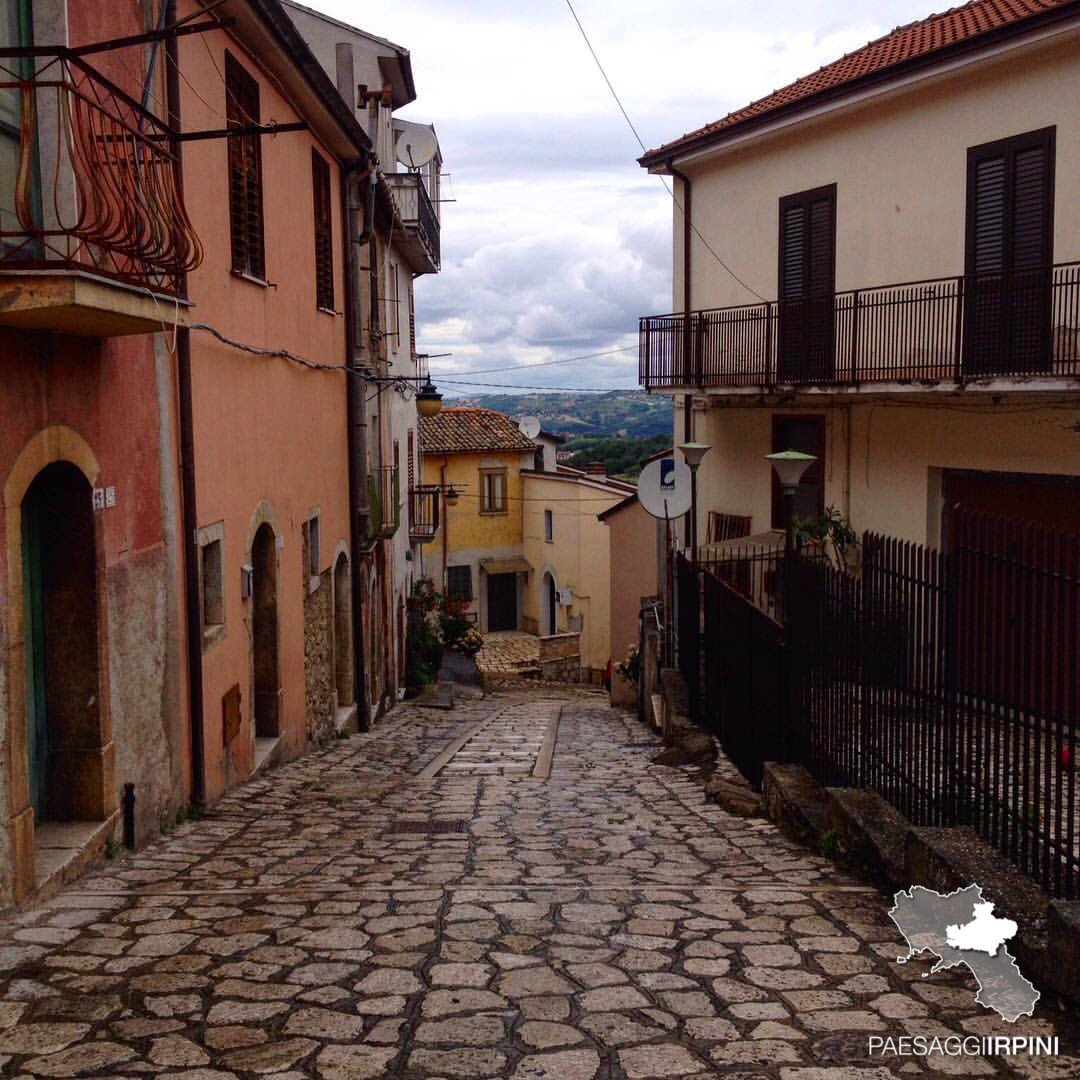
x=188, y=509
x=358, y=228
x=688, y=336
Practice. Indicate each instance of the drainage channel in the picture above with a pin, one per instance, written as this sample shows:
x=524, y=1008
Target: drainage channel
x=516, y=742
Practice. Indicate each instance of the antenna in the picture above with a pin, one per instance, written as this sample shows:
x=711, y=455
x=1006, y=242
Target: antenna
x=416, y=145
x=664, y=488
x=529, y=426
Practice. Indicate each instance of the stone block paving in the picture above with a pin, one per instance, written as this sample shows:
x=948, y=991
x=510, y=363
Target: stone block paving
x=602, y=923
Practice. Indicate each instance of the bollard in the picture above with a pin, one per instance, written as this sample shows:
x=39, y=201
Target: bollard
x=129, y=816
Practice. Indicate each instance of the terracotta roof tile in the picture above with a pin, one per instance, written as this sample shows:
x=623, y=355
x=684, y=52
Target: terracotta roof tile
x=906, y=43
x=458, y=429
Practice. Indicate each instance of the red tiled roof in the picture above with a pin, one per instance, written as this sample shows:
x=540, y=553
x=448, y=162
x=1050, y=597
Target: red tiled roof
x=913, y=42
x=461, y=429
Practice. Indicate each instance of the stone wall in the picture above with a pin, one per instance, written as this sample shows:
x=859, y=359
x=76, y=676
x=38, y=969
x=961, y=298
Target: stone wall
x=560, y=658
x=319, y=656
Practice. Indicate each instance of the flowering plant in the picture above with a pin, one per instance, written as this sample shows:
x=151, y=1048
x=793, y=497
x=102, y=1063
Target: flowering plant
x=630, y=667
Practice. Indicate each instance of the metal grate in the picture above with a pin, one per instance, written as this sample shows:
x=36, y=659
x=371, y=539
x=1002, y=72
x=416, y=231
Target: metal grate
x=425, y=828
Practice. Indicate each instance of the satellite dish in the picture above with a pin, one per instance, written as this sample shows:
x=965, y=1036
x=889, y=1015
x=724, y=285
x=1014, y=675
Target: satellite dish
x=415, y=145
x=529, y=426
x=664, y=488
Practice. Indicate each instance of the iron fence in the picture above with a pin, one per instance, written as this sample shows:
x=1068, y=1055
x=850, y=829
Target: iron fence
x=945, y=681
x=1020, y=323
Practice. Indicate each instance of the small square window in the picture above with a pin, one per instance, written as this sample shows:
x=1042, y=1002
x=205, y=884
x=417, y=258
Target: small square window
x=213, y=595
x=549, y=526
x=492, y=491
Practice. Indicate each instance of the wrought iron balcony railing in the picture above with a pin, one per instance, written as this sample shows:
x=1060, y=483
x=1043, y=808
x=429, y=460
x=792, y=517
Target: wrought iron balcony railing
x=1008, y=325
x=418, y=215
x=95, y=186
x=424, y=512
x=384, y=503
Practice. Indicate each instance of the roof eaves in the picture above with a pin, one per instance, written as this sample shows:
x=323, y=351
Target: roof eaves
x=715, y=134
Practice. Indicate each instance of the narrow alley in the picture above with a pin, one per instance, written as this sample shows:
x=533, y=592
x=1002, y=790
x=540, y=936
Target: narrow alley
x=508, y=889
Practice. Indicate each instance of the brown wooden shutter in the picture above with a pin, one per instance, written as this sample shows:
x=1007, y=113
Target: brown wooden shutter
x=1009, y=254
x=807, y=281
x=324, y=251
x=245, y=172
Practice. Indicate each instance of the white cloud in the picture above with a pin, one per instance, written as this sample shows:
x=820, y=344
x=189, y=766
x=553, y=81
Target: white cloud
x=558, y=241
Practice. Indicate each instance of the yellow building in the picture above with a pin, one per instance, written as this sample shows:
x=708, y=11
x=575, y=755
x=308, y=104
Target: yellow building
x=569, y=548
x=477, y=551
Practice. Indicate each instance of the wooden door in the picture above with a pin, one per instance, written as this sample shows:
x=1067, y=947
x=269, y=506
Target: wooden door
x=502, y=601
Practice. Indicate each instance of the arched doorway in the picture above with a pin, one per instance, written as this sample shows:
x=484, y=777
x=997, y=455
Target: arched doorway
x=551, y=612
x=343, y=662
x=63, y=678
x=264, y=633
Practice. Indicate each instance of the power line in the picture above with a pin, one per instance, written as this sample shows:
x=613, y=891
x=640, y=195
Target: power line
x=542, y=363
x=644, y=149
x=564, y=389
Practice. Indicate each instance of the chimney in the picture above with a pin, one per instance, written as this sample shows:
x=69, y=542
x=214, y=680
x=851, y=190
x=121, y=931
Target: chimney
x=596, y=468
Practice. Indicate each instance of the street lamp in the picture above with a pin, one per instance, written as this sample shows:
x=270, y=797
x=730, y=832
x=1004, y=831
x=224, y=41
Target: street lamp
x=450, y=495
x=692, y=453
x=428, y=400
x=789, y=466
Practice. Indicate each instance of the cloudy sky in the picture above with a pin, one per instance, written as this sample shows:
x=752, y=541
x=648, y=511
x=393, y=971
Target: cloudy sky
x=558, y=240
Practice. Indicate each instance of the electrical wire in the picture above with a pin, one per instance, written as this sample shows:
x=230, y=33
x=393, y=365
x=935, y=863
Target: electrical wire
x=541, y=363
x=555, y=389
x=644, y=149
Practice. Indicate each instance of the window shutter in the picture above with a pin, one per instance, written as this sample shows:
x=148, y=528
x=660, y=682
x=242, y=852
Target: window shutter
x=1009, y=252
x=324, y=252
x=245, y=171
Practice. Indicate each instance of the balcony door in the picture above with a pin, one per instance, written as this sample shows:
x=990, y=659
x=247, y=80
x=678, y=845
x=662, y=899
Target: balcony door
x=1010, y=200
x=807, y=283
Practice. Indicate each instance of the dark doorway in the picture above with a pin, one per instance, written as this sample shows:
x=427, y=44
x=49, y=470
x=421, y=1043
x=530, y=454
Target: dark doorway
x=807, y=435
x=1010, y=199
x=551, y=611
x=265, y=633
x=502, y=601
x=807, y=284
x=63, y=691
x=343, y=664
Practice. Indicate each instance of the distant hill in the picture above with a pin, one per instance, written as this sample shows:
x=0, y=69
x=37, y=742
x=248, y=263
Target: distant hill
x=615, y=413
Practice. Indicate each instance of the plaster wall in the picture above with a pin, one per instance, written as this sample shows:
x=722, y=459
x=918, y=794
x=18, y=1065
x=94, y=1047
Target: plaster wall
x=899, y=162
x=270, y=436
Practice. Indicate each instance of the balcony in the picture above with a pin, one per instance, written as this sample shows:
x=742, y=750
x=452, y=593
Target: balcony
x=384, y=503
x=94, y=237
x=424, y=513
x=1022, y=325
x=420, y=243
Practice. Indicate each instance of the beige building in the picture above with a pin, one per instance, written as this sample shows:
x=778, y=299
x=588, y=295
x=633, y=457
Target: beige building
x=901, y=295
x=568, y=547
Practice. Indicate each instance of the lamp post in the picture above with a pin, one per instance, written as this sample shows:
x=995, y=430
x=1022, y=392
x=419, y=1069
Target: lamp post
x=790, y=465
x=428, y=399
x=693, y=452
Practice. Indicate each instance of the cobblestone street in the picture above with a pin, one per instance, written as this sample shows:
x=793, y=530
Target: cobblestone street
x=508, y=889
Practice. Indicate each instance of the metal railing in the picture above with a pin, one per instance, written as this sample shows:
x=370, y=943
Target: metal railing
x=384, y=503
x=414, y=206
x=96, y=185
x=424, y=512
x=1016, y=324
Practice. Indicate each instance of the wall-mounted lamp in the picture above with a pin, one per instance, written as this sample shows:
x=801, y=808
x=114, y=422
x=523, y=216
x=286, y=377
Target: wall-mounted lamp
x=428, y=400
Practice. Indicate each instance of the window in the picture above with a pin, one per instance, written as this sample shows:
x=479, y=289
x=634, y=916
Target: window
x=806, y=434
x=1010, y=201
x=211, y=541
x=549, y=525
x=410, y=451
x=312, y=554
x=324, y=248
x=395, y=308
x=15, y=31
x=245, y=172
x=492, y=491
x=459, y=582
x=807, y=280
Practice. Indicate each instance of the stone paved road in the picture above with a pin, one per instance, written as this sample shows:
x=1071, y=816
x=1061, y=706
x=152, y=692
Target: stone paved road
x=352, y=915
